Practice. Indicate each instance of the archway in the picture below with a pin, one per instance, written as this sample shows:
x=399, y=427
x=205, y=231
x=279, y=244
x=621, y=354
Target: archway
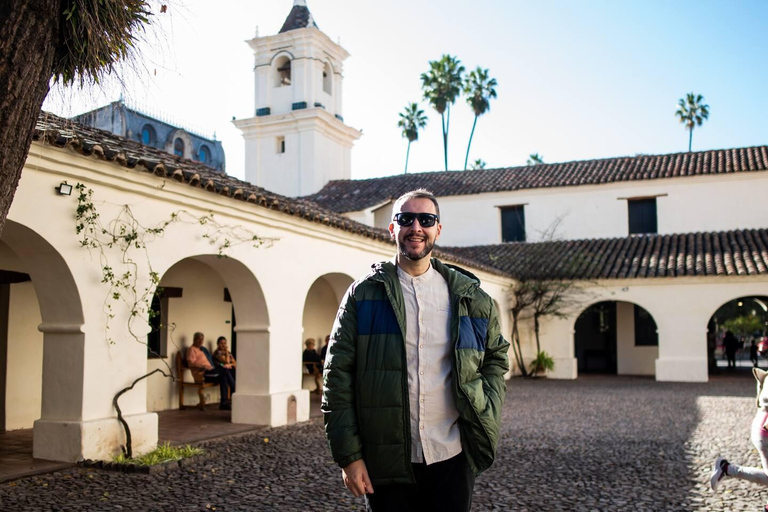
x=41, y=337
x=320, y=309
x=616, y=337
x=207, y=294
x=747, y=319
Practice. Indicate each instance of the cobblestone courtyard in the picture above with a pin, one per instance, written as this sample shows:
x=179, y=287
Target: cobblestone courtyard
x=600, y=443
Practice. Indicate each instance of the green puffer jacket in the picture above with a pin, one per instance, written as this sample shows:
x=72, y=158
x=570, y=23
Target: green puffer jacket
x=365, y=400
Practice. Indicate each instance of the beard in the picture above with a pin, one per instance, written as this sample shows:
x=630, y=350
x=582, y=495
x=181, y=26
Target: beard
x=429, y=244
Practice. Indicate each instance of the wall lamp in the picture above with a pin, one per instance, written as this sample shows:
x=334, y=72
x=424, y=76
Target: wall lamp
x=65, y=189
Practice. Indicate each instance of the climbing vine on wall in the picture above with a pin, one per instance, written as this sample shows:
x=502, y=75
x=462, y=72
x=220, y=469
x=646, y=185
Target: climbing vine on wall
x=122, y=244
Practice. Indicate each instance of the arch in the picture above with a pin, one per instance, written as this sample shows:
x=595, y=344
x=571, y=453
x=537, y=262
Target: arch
x=615, y=337
x=178, y=147
x=148, y=135
x=327, y=78
x=746, y=317
x=59, y=365
x=320, y=307
x=219, y=297
x=281, y=70
x=204, y=154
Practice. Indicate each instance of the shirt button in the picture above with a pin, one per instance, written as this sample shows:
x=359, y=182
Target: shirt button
x=422, y=427
x=421, y=346
x=421, y=373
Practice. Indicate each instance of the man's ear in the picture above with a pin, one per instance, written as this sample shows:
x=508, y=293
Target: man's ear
x=759, y=375
x=392, y=230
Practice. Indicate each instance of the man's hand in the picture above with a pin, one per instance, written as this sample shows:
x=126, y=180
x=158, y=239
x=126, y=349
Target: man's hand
x=356, y=478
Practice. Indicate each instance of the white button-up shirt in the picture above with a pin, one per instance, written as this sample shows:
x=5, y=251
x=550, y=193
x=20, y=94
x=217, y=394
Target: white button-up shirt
x=434, y=419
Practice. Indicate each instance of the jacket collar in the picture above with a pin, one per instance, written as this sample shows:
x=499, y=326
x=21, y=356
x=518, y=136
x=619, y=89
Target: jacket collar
x=461, y=282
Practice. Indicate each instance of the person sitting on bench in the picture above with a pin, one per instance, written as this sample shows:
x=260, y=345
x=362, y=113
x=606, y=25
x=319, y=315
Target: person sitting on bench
x=224, y=357
x=199, y=357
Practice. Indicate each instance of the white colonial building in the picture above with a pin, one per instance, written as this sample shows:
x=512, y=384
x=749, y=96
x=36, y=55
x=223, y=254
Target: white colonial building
x=662, y=240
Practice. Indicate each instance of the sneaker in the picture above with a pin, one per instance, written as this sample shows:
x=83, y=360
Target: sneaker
x=718, y=472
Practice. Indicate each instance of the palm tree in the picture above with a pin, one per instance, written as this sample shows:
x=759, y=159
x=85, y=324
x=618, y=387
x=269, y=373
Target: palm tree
x=442, y=85
x=412, y=119
x=535, y=159
x=692, y=112
x=480, y=89
x=478, y=164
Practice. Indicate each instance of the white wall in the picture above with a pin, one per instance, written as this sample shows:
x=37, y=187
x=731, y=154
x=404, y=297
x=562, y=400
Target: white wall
x=690, y=204
x=681, y=308
x=631, y=359
x=24, y=369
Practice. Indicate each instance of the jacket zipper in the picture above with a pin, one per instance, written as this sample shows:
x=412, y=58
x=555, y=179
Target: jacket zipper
x=406, y=399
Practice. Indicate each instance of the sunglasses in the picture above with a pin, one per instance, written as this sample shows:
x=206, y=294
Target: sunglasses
x=426, y=220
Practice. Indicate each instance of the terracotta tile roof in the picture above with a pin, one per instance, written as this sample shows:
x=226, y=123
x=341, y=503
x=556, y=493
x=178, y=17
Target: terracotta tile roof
x=299, y=17
x=726, y=253
x=91, y=142
x=356, y=195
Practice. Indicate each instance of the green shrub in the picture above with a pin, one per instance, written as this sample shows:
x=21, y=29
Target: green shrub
x=543, y=362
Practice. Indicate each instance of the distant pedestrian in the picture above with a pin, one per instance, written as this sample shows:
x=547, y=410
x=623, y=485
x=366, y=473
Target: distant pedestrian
x=731, y=345
x=723, y=469
x=753, y=353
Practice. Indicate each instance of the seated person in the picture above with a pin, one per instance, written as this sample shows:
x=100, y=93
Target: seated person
x=199, y=357
x=313, y=367
x=324, y=350
x=223, y=357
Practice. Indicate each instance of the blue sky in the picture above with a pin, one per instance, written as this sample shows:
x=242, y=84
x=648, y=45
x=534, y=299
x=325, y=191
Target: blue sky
x=577, y=80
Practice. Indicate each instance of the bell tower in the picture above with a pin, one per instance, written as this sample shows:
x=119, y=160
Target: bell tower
x=297, y=140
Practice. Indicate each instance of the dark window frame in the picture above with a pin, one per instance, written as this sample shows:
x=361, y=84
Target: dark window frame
x=514, y=232
x=642, y=216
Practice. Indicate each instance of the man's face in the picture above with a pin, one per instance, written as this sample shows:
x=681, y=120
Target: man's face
x=415, y=241
x=197, y=342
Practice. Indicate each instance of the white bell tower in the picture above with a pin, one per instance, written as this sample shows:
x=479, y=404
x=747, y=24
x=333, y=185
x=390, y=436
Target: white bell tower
x=297, y=141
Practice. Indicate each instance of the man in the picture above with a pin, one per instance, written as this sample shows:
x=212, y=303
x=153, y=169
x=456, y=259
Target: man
x=414, y=376
x=199, y=357
x=312, y=358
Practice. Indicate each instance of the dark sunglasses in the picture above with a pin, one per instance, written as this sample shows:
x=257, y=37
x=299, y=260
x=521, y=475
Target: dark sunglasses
x=426, y=220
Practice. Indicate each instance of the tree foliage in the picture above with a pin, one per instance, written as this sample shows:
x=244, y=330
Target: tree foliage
x=412, y=119
x=442, y=84
x=746, y=325
x=480, y=89
x=540, y=293
x=68, y=41
x=534, y=159
x=692, y=112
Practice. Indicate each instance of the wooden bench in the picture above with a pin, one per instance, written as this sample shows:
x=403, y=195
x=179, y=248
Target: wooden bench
x=198, y=374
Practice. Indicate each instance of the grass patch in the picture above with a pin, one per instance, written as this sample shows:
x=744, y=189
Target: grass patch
x=163, y=453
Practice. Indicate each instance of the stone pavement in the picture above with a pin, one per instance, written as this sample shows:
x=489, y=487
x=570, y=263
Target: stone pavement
x=595, y=444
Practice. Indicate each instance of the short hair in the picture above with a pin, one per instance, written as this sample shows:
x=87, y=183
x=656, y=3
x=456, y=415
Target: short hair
x=220, y=338
x=308, y=341
x=419, y=193
x=198, y=336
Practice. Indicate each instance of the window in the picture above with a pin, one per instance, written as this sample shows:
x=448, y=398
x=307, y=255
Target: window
x=204, y=154
x=281, y=145
x=327, y=78
x=148, y=135
x=646, y=334
x=283, y=74
x=642, y=216
x=513, y=223
x=178, y=147
x=157, y=339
